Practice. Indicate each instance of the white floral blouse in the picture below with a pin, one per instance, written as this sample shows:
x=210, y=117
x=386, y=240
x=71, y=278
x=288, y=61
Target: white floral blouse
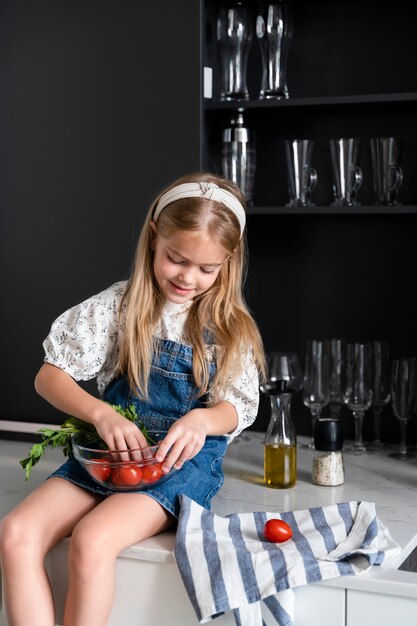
x=84, y=342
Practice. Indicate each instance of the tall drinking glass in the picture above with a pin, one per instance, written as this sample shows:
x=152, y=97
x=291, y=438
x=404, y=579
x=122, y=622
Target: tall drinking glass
x=380, y=387
x=403, y=393
x=347, y=175
x=274, y=30
x=358, y=393
x=337, y=375
x=234, y=38
x=386, y=153
x=301, y=175
x=316, y=388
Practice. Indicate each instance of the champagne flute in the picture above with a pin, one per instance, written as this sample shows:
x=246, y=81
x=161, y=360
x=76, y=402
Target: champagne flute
x=380, y=388
x=403, y=394
x=316, y=388
x=358, y=393
x=337, y=375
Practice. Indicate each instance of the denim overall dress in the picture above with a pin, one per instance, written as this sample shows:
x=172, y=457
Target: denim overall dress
x=172, y=394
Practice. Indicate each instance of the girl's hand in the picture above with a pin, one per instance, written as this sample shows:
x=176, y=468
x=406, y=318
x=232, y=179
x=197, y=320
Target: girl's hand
x=117, y=431
x=64, y=393
x=184, y=440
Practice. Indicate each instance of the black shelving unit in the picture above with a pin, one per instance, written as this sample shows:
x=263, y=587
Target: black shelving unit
x=351, y=73
x=327, y=271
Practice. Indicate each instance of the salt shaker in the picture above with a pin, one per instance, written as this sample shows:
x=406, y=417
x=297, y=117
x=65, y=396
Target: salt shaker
x=328, y=467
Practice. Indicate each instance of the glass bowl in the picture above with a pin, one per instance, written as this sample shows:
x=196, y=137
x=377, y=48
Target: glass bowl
x=120, y=470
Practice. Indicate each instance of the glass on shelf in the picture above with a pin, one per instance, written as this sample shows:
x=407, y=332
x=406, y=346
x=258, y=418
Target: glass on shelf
x=234, y=39
x=274, y=31
x=316, y=388
x=358, y=392
x=380, y=387
x=337, y=376
x=404, y=399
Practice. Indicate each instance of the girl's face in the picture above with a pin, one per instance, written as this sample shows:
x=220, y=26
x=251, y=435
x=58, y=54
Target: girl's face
x=186, y=264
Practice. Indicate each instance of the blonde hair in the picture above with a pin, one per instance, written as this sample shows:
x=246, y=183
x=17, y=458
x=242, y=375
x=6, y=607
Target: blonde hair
x=220, y=311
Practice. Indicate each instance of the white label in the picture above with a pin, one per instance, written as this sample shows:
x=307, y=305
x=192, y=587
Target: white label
x=208, y=82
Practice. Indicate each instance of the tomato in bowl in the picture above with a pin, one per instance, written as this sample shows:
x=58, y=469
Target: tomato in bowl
x=120, y=470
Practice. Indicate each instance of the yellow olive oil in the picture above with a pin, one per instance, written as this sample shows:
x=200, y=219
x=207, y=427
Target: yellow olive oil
x=280, y=465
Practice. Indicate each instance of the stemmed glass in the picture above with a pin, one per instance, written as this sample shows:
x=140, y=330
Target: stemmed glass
x=316, y=388
x=380, y=387
x=284, y=366
x=403, y=393
x=358, y=393
x=337, y=375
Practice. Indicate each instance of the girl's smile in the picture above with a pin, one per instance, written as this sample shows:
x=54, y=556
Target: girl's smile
x=186, y=264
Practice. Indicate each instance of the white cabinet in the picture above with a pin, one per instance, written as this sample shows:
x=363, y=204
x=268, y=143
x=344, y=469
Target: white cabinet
x=377, y=609
x=139, y=583
x=317, y=605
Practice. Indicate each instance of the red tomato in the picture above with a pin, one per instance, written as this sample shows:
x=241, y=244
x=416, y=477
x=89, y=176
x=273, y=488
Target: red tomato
x=151, y=473
x=126, y=475
x=277, y=530
x=115, y=477
x=99, y=472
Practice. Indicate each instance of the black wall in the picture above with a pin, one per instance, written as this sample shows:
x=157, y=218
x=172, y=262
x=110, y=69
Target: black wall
x=99, y=108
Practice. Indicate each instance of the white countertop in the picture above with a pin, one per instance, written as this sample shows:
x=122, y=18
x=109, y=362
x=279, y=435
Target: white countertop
x=374, y=477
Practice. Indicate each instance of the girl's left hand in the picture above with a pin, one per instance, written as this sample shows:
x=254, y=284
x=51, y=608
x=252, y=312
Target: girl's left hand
x=184, y=440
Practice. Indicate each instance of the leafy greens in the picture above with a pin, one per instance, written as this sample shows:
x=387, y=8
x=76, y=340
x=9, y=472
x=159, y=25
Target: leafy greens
x=62, y=437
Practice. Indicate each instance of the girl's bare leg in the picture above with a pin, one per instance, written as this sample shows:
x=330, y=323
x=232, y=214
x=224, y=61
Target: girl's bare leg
x=27, y=534
x=116, y=523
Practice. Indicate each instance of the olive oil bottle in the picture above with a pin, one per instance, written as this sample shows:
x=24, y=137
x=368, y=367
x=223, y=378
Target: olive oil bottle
x=280, y=448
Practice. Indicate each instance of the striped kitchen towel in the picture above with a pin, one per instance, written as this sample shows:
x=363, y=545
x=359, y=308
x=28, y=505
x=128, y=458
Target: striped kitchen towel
x=227, y=565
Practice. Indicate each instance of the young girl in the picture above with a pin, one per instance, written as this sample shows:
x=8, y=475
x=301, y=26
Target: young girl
x=178, y=342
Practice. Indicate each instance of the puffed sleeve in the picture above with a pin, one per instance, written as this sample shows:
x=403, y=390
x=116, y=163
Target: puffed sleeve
x=243, y=393
x=84, y=340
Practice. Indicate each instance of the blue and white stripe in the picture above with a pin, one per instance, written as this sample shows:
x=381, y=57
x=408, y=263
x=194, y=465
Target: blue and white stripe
x=226, y=564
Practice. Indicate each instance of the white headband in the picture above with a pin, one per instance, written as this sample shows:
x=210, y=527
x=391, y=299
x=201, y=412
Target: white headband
x=203, y=190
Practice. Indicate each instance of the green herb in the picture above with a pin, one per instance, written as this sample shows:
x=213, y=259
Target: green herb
x=62, y=437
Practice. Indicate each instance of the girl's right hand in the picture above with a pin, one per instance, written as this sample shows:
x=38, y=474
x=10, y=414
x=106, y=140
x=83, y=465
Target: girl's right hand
x=64, y=393
x=117, y=431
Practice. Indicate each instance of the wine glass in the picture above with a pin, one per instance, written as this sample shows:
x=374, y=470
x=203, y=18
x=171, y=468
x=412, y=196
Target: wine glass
x=284, y=366
x=403, y=394
x=316, y=388
x=358, y=392
x=337, y=375
x=380, y=387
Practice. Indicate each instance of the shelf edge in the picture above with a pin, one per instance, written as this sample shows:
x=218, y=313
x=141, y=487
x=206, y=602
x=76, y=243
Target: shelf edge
x=386, y=98
x=329, y=210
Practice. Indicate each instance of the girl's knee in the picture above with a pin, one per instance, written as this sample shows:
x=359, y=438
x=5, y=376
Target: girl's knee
x=89, y=548
x=15, y=534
